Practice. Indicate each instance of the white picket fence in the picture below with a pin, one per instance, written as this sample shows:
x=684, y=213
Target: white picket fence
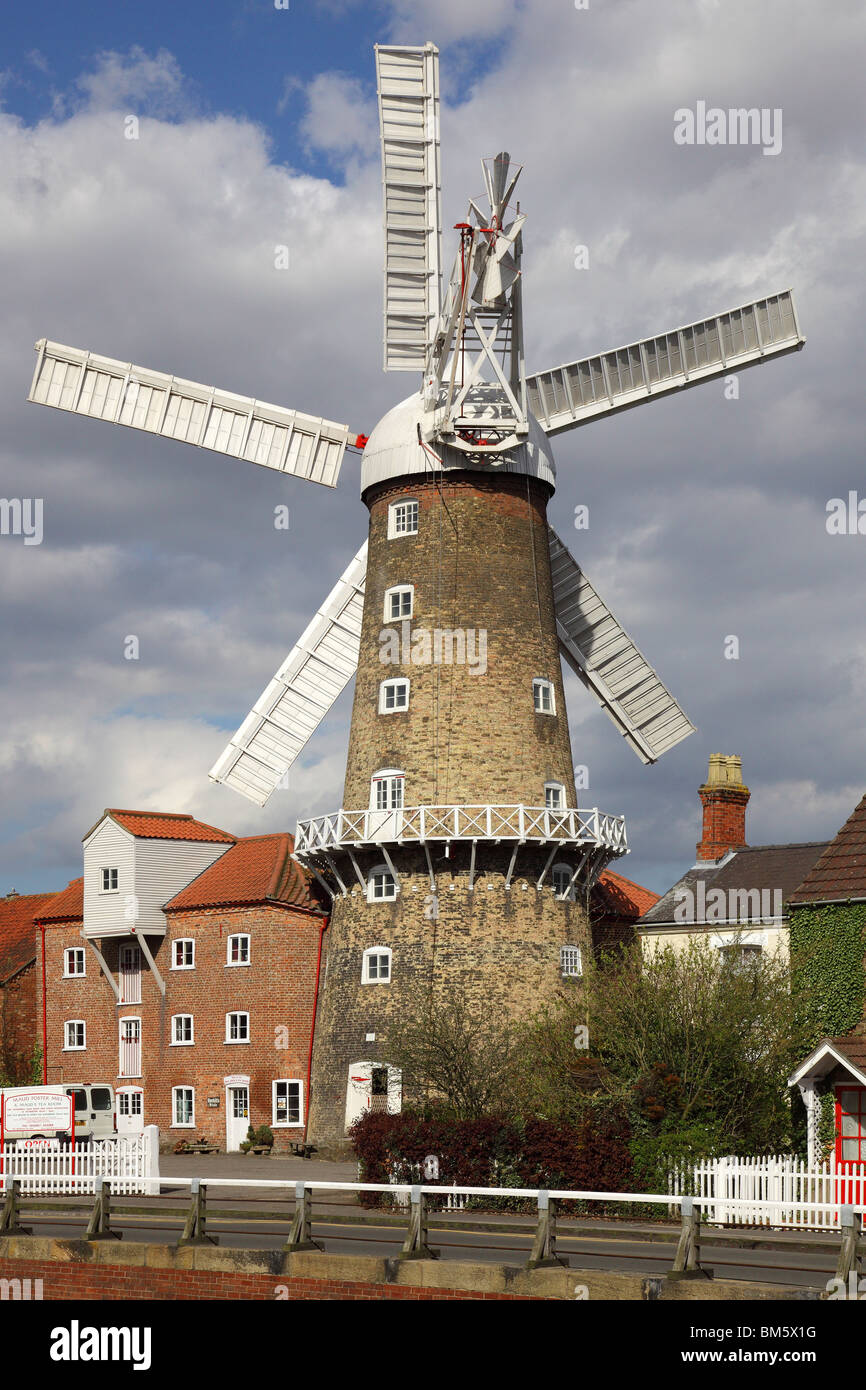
x=781, y=1180
x=131, y=1162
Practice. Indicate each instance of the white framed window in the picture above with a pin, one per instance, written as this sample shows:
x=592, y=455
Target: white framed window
x=399, y=602
x=381, y=885
x=386, y=789
x=74, y=1035
x=183, y=953
x=237, y=1028
x=570, y=962
x=543, y=697
x=287, y=1103
x=561, y=875
x=554, y=796
x=182, y=1030
x=74, y=962
x=394, y=696
x=108, y=880
x=402, y=519
x=376, y=966
x=183, y=1107
x=238, y=949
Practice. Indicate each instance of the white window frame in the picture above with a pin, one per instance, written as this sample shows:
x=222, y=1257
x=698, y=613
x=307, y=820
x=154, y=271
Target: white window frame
x=109, y=870
x=74, y=974
x=238, y=936
x=182, y=941
x=540, y=687
x=558, y=787
x=378, y=871
x=569, y=957
x=182, y=1042
x=237, y=1013
x=74, y=1023
x=563, y=869
x=393, y=682
x=390, y=775
x=395, y=590
x=287, y=1124
x=366, y=977
x=175, y=1122
x=395, y=533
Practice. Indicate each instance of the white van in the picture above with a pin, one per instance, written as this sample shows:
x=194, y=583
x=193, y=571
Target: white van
x=31, y=1112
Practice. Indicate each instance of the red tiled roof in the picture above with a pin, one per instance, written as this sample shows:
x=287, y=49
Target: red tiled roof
x=65, y=906
x=622, y=897
x=258, y=868
x=159, y=825
x=840, y=873
x=18, y=931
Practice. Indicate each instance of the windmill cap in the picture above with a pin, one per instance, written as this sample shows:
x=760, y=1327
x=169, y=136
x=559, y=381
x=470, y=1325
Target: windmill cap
x=393, y=449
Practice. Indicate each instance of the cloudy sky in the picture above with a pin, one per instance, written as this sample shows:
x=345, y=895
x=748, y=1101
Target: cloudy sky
x=257, y=128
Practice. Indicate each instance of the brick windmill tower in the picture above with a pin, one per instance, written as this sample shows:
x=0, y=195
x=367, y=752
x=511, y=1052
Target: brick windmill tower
x=460, y=859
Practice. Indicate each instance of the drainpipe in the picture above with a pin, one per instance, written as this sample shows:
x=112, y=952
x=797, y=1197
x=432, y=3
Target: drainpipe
x=44, y=1013
x=324, y=928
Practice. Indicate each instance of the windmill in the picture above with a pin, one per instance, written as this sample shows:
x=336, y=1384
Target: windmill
x=451, y=769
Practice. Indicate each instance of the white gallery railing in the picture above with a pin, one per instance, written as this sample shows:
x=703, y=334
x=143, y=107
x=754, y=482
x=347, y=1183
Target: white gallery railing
x=423, y=823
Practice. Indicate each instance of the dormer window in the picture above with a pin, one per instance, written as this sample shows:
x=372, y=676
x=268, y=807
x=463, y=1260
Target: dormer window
x=109, y=880
x=543, y=697
x=402, y=519
x=399, y=602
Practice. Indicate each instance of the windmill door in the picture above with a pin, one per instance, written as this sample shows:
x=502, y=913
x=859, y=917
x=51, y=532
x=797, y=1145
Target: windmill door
x=373, y=1086
x=386, y=805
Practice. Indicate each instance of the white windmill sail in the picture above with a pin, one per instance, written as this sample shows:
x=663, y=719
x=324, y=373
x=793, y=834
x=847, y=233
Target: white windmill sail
x=408, y=86
x=610, y=381
x=123, y=394
x=293, y=705
x=601, y=653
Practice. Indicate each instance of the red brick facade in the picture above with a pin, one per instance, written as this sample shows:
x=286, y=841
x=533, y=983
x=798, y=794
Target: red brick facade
x=272, y=984
x=18, y=984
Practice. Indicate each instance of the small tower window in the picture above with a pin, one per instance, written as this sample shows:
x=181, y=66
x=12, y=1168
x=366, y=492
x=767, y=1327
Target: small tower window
x=108, y=878
x=570, y=962
x=402, y=519
x=394, y=696
x=399, y=602
x=381, y=886
x=376, y=966
x=562, y=875
x=554, y=796
x=543, y=697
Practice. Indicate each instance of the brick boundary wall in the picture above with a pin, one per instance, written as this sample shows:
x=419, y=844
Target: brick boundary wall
x=110, y=1271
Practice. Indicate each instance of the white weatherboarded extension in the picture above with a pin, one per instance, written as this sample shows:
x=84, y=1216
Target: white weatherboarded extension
x=594, y=386
x=408, y=86
x=601, y=653
x=123, y=394
x=293, y=705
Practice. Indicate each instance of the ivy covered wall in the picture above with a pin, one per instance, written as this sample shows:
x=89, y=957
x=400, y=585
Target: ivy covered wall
x=828, y=950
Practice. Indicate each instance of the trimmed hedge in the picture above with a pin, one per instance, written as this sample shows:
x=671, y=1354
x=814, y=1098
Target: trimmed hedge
x=593, y=1155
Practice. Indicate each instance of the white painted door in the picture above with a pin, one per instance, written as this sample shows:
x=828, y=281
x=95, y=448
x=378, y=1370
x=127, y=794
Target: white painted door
x=386, y=806
x=237, y=1116
x=372, y=1086
x=130, y=1047
x=130, y=975
x=130, y=1110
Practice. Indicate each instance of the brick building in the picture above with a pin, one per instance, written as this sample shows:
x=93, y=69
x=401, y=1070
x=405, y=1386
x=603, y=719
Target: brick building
x=18, y=984
x=183, y=968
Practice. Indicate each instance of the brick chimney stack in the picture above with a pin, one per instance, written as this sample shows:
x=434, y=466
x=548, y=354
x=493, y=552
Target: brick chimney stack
x=724, y=799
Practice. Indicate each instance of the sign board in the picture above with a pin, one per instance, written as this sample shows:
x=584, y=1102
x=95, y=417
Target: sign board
x=37, y=1110
x=236, y=1080
x=213, y=1102
x=38, y=1144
